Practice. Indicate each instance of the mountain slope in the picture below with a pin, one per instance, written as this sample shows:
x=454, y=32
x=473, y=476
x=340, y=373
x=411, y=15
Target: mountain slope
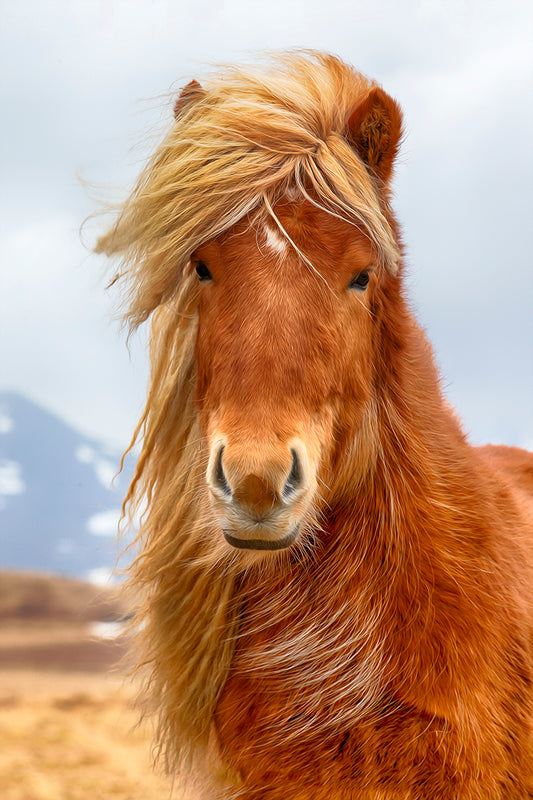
x=58, y=510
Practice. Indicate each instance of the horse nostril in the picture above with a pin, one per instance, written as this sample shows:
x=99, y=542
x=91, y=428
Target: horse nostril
x=294, y=480
x=220, y=478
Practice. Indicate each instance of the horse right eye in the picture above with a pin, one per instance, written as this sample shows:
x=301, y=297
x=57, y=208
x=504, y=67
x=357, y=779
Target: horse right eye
x=360, y=282
x=203, y=272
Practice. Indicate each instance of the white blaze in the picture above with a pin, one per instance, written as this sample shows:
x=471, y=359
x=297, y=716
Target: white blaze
x=275, y=242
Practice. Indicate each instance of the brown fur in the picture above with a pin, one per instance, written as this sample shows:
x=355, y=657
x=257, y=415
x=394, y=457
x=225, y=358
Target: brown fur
x=387, y=654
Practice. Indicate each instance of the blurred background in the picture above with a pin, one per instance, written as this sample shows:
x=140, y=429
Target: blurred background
x=87, y=91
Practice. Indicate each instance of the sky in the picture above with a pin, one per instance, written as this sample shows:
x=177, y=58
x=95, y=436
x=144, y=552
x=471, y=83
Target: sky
x=87, y=92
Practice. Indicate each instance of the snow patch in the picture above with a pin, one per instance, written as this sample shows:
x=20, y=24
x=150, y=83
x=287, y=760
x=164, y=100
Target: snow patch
x=11, y=482
x=107, y=630
x=85, y=454
x=105, y=470
x=105, y=523
x=6, y=423
x=10, y=478
x=102, y=576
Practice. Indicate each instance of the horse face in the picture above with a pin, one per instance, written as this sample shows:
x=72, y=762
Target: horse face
x=282, y=342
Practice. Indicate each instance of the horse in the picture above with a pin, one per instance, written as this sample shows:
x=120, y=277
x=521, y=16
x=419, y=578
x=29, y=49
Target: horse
x=333, y=584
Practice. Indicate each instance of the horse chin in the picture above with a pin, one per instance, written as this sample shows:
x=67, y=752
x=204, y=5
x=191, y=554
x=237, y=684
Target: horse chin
x=248, y=543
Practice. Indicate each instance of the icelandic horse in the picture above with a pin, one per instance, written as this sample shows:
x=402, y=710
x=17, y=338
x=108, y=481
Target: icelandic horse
x=334, y=586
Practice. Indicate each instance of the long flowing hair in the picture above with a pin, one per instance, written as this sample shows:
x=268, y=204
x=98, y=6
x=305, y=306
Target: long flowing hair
x=249, y=137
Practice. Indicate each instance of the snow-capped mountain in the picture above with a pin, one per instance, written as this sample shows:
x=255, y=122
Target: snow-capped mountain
x=58, y=510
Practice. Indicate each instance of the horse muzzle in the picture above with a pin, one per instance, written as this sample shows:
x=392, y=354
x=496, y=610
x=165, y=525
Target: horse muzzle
x=259, y=496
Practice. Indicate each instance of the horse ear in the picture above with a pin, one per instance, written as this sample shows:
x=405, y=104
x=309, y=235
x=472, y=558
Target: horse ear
x=189, y=94
x=374, y=130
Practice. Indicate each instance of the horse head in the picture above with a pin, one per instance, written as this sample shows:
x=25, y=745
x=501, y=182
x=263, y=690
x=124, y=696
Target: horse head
x=284, y=347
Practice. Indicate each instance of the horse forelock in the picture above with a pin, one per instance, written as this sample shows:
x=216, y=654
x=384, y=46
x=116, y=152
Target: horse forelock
x=251, y=137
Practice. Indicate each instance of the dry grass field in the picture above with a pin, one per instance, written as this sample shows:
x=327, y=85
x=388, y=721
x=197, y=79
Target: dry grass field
x=67, y=721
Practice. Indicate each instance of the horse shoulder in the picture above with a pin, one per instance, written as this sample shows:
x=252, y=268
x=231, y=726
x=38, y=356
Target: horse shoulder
x=513, y=467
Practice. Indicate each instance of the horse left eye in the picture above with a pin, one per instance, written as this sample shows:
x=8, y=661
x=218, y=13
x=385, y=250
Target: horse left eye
x=360, y=281
x=202, y=270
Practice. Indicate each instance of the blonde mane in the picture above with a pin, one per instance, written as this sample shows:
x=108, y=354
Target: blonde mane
x=252, y=136
x=249, y=137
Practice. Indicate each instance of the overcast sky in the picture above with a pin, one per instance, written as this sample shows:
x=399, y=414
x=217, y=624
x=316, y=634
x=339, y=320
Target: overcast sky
x=85, y=93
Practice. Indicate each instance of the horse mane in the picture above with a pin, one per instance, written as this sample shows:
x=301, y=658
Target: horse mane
x=250, y=137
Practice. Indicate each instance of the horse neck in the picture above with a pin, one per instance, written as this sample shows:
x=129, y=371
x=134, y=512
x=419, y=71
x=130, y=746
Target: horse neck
x=416, y=429
x=410, y=460
x=424, y=485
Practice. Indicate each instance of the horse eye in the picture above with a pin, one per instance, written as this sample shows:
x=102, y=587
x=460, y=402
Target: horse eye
x=360, y=281
x=203, y=272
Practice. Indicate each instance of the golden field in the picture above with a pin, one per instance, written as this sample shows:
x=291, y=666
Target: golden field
x=68, y=726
